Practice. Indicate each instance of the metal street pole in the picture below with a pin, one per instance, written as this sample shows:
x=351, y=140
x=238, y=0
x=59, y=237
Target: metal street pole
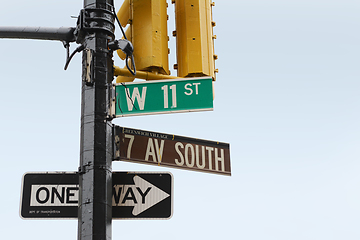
x=95, y=32
x=96, y=25
x=65, y=34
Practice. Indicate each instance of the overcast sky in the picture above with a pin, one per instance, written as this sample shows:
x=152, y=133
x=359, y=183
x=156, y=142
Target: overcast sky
x=287, y=100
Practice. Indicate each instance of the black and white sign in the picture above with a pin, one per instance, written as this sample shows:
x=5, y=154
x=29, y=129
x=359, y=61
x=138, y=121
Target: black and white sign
x=135, y=195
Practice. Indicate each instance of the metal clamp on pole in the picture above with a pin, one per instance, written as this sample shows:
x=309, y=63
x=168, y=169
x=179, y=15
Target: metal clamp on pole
x=125, y=46
x=92, y=20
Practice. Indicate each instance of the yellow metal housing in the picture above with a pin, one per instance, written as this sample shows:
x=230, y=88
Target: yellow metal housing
x=194, y=38
x=124, y=13
x=148, y=33
x=124, y=18
x=123, y=75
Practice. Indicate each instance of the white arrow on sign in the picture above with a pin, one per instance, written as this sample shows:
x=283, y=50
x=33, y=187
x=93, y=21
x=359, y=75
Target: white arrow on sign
x=143, y=195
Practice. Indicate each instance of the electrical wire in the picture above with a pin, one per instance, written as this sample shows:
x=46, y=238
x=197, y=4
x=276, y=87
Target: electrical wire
x=127, y=93
x=133, y=64
x=127, y=56
x=118, y=21
x=78, y=49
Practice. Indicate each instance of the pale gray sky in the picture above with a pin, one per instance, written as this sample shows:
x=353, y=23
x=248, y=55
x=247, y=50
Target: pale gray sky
x=287, y=100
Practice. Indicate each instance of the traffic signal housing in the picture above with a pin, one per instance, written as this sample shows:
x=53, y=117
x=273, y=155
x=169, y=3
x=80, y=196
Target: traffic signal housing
x=147, y=31
x=194, y=38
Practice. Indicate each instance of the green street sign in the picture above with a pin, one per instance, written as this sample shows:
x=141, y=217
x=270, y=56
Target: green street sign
x=163, y=96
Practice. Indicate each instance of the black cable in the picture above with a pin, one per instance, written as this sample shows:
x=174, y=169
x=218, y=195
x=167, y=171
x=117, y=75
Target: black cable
x=133, y=63
x=127, y=56
x=118, y=21
x=78, y=49
x=127, y=93
x=67, y=46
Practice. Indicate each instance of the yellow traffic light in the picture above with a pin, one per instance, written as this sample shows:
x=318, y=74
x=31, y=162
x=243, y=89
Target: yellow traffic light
x=194, y=38
x=147, y=32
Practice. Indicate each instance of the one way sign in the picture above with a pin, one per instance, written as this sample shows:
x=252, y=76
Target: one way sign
x=135, y=195
x=142, y=195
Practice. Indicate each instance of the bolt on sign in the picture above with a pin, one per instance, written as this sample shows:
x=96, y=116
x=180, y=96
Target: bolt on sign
x=163, y=96
x=134, y=196
x=167, y=150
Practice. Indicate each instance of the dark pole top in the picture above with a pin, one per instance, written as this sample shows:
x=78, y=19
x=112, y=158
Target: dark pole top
x=44, y=33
